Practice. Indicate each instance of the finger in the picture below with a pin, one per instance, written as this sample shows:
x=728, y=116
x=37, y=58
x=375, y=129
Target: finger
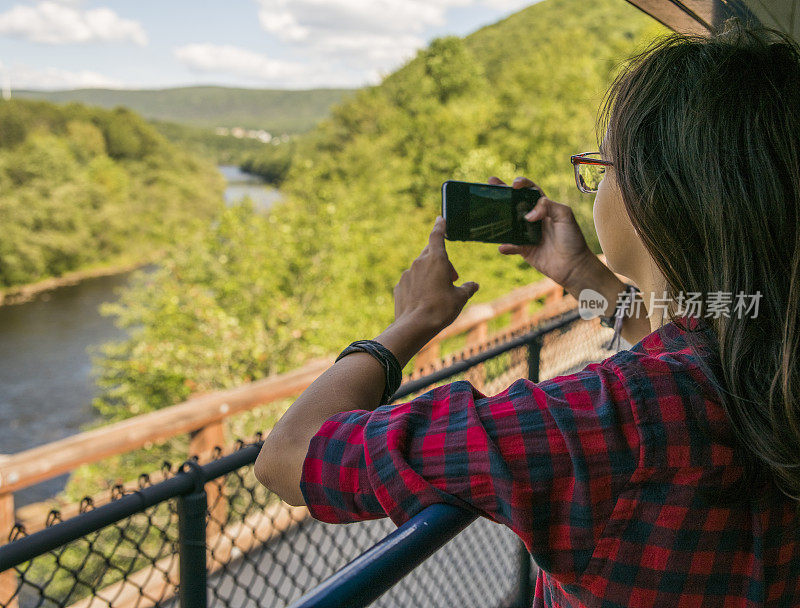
x=523, y=182
x=545, y=207
x=436, y=238
x=496, y=181
x=467, y=290
x=509, y=249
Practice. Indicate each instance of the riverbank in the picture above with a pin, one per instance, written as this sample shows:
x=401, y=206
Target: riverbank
x=19, y=294
x=240, y=185
x=51, y=329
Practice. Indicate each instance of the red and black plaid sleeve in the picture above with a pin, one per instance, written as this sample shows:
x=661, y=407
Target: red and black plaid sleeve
x=605, y=474
x=546, y=459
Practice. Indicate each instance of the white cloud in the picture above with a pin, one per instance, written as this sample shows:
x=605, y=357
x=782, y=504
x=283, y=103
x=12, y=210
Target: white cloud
x=508, y=5
x=373, y=36
x=382, y=29
x=236, y=61
x=369, y=49
x=316, y=20
x=228, y=58
x=64, y=23
x=25, y=77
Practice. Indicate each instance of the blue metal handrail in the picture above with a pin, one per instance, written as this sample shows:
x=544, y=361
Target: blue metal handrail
x=367, y=577
x=375, y=571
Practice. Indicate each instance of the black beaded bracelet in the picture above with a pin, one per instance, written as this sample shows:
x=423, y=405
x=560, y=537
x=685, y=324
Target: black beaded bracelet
x=394, y=374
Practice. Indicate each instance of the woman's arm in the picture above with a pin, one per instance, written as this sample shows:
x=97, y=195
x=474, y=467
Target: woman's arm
x=355, y=382
x=564, y=256
x=591, y=273
x=426, y=301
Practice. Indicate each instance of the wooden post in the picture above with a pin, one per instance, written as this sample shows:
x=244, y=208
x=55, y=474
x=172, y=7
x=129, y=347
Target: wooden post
x=478, y=334
x=8, y=579
x=202, y=445
x=520, y=314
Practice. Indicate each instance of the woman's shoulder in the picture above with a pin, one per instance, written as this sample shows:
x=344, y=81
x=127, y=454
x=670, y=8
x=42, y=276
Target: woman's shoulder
x=679, y=347
x=685, y=335
x=671, y=382
x=666, y=378
x=686, y=345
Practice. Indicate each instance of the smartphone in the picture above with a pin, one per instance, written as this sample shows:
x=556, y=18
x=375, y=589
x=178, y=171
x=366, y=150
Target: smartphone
x=489, y=214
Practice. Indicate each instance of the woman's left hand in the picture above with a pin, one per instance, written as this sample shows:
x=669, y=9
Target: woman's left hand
x=426, y=301
x=426, y=294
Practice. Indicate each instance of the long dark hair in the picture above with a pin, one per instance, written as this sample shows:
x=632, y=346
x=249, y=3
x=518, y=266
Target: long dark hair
x=704, y=133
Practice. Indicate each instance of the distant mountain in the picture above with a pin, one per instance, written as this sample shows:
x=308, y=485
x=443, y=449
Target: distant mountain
x=276, y=111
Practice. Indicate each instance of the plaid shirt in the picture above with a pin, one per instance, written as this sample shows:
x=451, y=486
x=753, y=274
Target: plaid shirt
x=597, y=472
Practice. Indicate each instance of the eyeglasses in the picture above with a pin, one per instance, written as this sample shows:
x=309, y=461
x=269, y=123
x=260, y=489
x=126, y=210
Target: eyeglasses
x=589, y=170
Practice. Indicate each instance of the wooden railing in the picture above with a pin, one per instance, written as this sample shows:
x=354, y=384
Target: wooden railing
x=203, y=417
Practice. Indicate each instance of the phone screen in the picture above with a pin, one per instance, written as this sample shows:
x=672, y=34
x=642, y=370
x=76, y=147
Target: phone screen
x=489, y=214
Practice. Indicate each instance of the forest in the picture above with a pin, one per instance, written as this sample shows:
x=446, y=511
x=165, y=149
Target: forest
x=238, y=294
x=86, y=187
x=257, y=294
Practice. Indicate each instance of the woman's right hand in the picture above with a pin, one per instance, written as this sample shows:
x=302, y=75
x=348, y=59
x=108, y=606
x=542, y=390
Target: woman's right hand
x=562, y=248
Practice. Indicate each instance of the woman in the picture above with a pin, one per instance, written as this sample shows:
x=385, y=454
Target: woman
x=669, y=473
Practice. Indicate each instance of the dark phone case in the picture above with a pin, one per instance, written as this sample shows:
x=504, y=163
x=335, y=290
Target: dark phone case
x=525, y=232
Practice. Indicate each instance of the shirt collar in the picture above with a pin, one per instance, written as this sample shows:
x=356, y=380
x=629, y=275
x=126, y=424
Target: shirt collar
x=678, y=334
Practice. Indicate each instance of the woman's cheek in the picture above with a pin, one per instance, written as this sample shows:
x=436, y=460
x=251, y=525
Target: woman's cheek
x=601, y=220
x=612, y=225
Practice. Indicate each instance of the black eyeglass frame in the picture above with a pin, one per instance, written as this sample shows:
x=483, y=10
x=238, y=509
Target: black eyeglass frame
x=583, y=159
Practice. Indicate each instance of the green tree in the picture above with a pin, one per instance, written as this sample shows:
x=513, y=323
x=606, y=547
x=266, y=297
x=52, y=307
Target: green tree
x=69, y=203
x=450, y=65
x=259, y=294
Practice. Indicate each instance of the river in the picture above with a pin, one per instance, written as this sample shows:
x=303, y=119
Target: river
x=46, y=387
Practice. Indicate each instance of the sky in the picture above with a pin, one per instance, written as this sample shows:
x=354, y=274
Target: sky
x=282, y=44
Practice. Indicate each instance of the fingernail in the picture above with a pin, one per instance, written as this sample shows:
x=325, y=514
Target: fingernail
x=530, y=215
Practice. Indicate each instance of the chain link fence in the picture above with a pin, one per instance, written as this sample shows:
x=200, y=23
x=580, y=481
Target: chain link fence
x=260, y=551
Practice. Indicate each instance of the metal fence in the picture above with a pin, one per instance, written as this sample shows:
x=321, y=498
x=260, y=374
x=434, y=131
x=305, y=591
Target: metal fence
x=211, y=535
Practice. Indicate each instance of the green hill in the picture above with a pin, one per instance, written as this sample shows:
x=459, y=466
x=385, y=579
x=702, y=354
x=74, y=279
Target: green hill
x=264, y=294
x=275, y=111
x=86, y=187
